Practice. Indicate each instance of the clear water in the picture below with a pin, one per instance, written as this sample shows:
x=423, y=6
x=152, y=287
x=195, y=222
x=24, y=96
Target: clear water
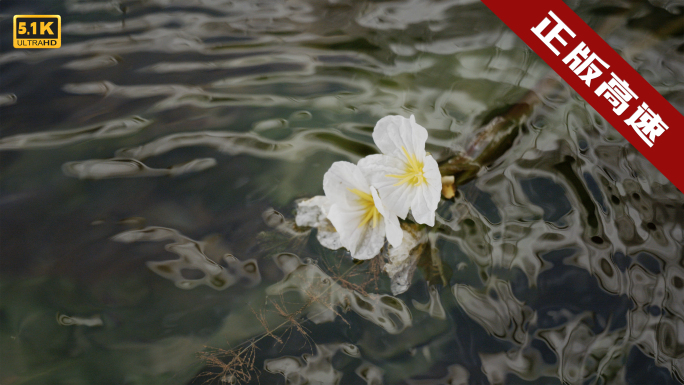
x=166, y=134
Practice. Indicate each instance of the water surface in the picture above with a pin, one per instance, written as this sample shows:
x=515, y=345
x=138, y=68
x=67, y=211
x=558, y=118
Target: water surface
x=150, y=169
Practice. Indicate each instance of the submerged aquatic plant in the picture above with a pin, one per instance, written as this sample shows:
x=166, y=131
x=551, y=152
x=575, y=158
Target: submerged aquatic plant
x=322, y=298
x=235, y=365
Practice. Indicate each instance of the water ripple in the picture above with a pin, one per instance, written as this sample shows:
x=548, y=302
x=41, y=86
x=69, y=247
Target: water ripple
x=122, y=167
x=565, y=245
x=111, y=129
x=193, y=267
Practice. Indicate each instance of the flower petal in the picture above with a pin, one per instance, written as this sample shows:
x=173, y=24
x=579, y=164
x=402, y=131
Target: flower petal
x=392, y=228
x=364, y=242
x=426, y=200
x=340, y=179
x=377, y=168
x=312, y=212
x=433, y=178
x=419, y=207
x=328, y=237
x=394, y=134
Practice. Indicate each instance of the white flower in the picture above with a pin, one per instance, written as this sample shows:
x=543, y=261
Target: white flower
x=357, y=212
x=405, y=176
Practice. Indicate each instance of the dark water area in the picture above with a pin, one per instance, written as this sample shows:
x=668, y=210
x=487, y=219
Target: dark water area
x=150, y=169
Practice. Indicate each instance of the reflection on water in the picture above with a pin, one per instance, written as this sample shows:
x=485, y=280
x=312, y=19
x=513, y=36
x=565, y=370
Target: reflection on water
x=193, y=267
x=201, y=124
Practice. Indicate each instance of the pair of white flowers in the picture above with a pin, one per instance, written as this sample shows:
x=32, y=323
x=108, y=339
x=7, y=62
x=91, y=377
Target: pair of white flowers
x=368, y=199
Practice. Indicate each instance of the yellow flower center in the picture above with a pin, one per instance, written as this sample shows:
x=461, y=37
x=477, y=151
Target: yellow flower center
x=370, y=211
x=413, y=173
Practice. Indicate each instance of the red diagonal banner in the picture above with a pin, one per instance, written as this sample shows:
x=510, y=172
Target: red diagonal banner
x=605, y=80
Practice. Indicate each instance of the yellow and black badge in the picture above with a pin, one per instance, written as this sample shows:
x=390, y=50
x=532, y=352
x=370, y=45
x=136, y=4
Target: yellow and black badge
x=37, y=31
